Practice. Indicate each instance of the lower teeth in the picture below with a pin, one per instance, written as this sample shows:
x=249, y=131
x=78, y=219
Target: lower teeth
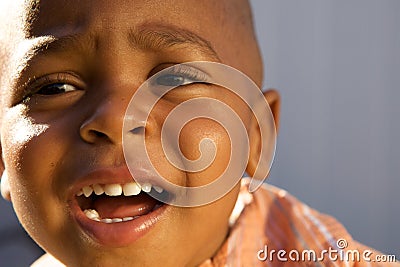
x=94, y=215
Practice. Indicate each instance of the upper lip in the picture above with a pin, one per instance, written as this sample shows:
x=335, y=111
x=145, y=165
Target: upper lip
x=111, y=175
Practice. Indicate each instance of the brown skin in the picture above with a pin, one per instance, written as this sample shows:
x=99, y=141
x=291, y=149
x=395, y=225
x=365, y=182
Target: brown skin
x=84, y=125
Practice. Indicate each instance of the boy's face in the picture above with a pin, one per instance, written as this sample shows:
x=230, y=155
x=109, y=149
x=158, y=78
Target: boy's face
x=63, y=116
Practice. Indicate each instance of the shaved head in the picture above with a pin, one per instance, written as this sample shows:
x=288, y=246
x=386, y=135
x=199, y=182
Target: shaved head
x=19, y=20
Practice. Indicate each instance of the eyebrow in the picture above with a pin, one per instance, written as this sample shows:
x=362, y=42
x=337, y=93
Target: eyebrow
x=147, y=37
x=158, y=36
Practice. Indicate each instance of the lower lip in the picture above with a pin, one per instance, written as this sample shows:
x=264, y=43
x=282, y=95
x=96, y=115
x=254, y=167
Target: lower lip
x=121, y=233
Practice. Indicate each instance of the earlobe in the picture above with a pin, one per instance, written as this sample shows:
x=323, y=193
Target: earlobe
x=5, y=186
x=4, y=183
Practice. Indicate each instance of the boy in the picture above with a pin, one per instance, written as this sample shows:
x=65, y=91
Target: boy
x=69, y=71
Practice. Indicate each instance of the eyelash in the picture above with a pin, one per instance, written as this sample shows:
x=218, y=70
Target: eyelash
x=190, y=72
x=36, y=84
x=176, y=76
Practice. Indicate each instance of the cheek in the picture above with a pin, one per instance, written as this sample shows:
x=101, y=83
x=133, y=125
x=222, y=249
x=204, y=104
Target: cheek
x=29, y=160
x=21, y=143
x=200, y=150
x=215, y=152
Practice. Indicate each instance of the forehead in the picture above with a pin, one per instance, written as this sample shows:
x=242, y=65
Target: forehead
x=219, y=25
x=50, y=16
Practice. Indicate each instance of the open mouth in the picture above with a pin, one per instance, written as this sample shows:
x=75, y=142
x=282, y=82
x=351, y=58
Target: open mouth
x=116, y=203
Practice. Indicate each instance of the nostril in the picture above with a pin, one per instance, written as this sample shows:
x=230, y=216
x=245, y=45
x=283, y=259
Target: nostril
x=93, y=136
x=100, y=134
x=137, y=130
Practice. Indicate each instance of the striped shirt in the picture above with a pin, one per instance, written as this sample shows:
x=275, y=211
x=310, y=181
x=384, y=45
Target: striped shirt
x=272, y=228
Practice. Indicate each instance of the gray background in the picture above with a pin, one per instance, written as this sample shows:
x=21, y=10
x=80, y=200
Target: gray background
x=337, y=66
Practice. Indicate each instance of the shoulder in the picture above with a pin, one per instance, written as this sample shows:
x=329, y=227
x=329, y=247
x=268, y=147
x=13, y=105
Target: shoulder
x=47, y=261
x=287, y=221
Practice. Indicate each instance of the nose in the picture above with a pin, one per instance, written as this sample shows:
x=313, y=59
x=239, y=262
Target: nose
x=104, y=121
x=104, y=124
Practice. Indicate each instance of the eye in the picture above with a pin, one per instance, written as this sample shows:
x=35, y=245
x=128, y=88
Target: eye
x=54, y=91
x=171, y=80
x=180, y=75
x=53, y=84
x=55, y=88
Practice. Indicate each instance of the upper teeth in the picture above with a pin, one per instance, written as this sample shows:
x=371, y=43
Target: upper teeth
x=128, y=189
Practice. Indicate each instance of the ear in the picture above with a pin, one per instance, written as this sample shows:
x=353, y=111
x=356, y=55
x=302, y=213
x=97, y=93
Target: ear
x=4, y=183
x=273, y=99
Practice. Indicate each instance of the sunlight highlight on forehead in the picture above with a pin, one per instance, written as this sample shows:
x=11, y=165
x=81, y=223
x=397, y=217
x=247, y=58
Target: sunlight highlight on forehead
x=26, y=49
x=20, y=57
x=15, y=49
